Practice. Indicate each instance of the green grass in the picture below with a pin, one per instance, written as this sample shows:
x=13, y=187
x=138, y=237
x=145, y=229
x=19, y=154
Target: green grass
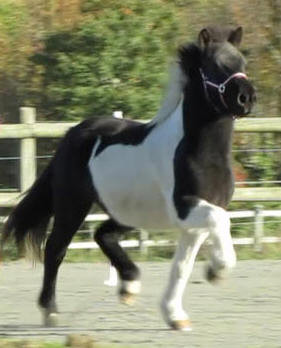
x=11, y=343
x=269, y=251
x=160, y=254
x=72, y=341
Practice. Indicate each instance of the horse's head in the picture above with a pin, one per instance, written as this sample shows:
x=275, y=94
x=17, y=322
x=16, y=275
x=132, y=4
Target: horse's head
x=219, y=68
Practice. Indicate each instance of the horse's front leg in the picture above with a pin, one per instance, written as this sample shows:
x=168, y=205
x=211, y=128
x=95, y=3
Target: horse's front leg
x=171, y=305
x=215, y=222
x=222, y=253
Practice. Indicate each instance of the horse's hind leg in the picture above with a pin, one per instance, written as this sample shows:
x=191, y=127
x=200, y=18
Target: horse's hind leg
x=107, y=237
x=69, y=215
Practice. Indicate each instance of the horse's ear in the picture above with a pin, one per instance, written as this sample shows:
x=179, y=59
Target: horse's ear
x=235, y=36
x=204, y=37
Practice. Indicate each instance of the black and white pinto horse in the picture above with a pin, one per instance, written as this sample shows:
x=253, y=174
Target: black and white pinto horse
x=173, y=172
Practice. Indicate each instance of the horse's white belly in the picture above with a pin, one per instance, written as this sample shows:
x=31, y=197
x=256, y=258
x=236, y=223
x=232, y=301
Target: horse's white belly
x=129, y=188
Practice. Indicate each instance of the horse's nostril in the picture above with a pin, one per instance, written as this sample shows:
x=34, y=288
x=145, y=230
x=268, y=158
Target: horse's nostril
x=242, y=99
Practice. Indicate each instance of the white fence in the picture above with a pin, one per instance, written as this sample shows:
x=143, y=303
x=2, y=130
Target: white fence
x=143, y=242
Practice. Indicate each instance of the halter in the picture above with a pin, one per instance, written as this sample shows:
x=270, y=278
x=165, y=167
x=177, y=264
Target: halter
x=220, y=88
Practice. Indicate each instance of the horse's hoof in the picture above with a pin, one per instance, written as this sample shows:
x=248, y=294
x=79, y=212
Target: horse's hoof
x=212, y=276
x=127, y=298
x=129, y=290
x=181, y=325
x=50, y=320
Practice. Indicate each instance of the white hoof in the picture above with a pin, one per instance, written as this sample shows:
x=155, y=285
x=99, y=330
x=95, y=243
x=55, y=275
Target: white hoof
x=127, y=299
x=131, y=286
x=181, y=325
x=175, y=316
x=129, y=290
x=50, y=319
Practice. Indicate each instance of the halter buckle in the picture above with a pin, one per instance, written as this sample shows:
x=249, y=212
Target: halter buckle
x=221, y=88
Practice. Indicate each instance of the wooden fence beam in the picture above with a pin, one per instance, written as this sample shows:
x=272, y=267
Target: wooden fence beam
x=241, y=194
x=28, y=131
x=9, y=199
x=258, y=125
x=58, y=129
x=257, y=194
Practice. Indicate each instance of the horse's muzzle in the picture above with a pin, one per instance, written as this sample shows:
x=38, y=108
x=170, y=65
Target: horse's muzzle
x=246, y=98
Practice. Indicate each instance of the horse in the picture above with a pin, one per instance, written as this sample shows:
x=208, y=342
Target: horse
x=173, y=172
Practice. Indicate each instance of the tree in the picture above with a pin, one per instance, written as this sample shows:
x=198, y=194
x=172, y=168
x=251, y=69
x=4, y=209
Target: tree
x=116, y=59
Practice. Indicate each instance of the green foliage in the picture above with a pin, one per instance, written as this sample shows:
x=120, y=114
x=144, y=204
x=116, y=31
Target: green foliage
x=12, y=18
x=13, y=24
x=115, y=60
x=259, y=165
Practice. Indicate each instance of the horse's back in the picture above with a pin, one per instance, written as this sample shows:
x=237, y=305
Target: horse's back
x=79, y=141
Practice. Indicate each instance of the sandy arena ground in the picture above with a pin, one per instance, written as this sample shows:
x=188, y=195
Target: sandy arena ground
x=243, y=312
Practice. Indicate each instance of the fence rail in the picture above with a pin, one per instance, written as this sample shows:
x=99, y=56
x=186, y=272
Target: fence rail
x=241, y=194
x=28, y=131
x=143, y=242
x=257, y=240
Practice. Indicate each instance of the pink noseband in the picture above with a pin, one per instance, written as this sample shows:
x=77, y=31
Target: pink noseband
x=221, y=87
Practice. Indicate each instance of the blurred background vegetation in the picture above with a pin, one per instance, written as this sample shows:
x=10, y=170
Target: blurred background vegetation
x=78, y=58
x=73, y=59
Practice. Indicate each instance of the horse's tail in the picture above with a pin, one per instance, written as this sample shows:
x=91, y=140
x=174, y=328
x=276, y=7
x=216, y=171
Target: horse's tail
x=28, y=222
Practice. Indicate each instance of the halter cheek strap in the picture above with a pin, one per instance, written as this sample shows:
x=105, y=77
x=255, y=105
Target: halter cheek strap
x=220, y=88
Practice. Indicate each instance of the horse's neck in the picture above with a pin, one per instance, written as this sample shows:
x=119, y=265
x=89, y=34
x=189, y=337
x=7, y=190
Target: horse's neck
x=204, y=132
x=215, y=141
x=185, y=115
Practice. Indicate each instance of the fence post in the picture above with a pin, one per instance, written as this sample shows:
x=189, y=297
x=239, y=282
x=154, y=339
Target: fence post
x=118, y=114
x=27, y=151
x=259, y=233
x=143, y=236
